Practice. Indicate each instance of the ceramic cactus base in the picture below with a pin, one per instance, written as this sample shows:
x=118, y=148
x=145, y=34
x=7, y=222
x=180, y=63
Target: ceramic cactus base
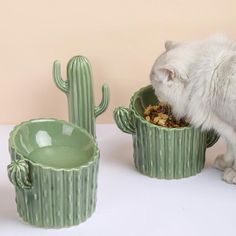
x=58, y=199
x=169, y=155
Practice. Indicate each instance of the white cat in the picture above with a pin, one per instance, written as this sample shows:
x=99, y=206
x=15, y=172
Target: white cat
x=198, y=79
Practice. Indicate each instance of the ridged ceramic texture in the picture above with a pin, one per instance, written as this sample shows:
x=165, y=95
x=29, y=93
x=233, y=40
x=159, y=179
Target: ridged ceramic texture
x=79, y=90
x=18, y=172
x=160, y=152
x=49, y=197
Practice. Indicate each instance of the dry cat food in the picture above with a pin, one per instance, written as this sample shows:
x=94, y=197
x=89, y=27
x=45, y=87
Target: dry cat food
x=161, y=115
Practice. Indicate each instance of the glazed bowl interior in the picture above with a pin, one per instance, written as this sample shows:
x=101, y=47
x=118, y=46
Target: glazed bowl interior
x=144, y=98
x=53, y=143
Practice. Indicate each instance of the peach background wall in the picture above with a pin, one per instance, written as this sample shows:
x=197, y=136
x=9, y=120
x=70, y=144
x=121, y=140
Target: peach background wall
x=121, y=38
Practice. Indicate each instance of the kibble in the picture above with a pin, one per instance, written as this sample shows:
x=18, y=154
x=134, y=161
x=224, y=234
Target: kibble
x=161, y=115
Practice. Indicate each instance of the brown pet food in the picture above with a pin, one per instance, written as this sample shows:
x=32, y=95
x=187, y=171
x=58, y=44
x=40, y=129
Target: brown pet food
x=161, y=115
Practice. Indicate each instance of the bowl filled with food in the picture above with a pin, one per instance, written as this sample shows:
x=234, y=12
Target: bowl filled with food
x=164, y=147
x=53, y=167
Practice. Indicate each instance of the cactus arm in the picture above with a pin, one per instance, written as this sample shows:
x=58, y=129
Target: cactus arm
x=105, y=101
x=212, y=138
x=60, y=83
x=123, y=120
x=18, y=173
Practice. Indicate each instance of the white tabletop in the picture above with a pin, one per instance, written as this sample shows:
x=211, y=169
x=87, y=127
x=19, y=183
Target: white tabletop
x=130, y=203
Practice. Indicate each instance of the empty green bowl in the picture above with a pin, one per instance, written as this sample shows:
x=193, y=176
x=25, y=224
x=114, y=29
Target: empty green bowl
x=54, y=169
x=165, y=153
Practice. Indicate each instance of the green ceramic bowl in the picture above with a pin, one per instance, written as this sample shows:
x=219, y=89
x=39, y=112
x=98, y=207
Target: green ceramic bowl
x=165, y=153
x=54, y=169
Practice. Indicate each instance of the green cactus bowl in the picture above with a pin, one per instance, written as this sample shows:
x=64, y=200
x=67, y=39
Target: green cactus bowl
x=160, y=152
x=54, y=170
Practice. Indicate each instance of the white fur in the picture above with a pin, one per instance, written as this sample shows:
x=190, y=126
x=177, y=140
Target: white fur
x=198, y=79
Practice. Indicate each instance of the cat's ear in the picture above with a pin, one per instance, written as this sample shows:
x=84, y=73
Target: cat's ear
x=166, y=73
x=170, y=44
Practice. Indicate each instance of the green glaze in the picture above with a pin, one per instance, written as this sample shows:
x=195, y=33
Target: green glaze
x=54, y=169
x=18, y=172
x=165, y=153
x=79, y=90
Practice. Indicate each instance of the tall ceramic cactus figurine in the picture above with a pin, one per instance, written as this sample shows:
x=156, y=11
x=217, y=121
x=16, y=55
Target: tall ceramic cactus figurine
x=79, y=90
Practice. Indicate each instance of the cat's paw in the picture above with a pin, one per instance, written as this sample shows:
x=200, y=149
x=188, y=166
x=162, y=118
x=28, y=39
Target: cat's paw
x=230, y=175
x=221, y=164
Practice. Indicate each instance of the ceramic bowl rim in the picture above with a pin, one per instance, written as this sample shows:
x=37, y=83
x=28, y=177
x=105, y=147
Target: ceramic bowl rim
x=12, y=145
x=142, y=120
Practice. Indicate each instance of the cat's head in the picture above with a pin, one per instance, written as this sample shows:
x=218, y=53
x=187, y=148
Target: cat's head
x=169, y=77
